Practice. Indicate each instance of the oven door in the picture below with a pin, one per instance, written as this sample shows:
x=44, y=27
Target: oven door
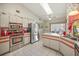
x=17, y=40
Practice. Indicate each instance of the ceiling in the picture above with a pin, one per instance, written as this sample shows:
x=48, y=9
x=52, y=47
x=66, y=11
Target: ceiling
x=59, y=10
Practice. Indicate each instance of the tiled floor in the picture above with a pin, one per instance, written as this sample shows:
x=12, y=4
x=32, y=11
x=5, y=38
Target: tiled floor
x=35, y=49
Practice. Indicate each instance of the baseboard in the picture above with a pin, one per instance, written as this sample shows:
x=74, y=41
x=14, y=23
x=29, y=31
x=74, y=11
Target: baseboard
x=4, y=53
x=54, y=50
x=34, y=42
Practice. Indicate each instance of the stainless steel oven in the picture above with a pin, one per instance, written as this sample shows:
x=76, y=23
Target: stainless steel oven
x=16, y=39
x=16, y=42
x=16, y=35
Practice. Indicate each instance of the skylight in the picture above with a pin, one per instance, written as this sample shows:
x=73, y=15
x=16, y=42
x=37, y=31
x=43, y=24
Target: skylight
x=46, y=8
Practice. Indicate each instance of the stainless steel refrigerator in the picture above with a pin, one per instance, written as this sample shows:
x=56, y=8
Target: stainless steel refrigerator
x=34, y=33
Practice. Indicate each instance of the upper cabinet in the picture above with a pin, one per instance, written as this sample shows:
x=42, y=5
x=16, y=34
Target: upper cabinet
x=4, y=19
x=15, y=19
x=25, y=22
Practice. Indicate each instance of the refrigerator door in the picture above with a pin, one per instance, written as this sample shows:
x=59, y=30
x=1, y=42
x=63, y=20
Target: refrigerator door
x=34, y=33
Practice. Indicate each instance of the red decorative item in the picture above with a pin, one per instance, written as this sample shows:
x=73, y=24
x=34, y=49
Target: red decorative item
x=7, y=33
x=2, y=33
x=64, y=33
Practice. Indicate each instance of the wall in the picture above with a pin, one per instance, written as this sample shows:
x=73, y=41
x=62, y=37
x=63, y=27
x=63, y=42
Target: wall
x=45, y=26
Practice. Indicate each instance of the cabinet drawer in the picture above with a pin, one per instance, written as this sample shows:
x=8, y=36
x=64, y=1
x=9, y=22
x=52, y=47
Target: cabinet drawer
x=3, y=19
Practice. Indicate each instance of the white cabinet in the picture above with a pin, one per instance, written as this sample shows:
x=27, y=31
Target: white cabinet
x=15, y=19
x=54, y=44
x=46, y=42
x=26, y=40
x=61, y=45
x=25, y=22
x=4, y=20
x=66, y=50
x=51, y=43
x=4, y=47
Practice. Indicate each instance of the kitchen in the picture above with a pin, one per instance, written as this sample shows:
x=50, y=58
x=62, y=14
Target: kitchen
x=21, y=25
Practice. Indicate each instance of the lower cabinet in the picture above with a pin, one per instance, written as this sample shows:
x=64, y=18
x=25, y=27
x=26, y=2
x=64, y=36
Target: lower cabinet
x=61, y=47
x=26, y=40
x=66, y=50
x=46, y=42
x=54, y=44
x=4, y=47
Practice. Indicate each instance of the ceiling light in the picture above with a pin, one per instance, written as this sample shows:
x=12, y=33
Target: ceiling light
x=46, y=8
x=50, y=19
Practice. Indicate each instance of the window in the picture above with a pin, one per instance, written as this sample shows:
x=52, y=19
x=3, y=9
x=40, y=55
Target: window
x=58, y=28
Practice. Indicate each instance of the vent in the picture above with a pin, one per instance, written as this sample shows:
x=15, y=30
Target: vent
x=17, y=11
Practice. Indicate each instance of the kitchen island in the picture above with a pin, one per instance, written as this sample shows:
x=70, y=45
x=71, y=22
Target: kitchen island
x=61, y=44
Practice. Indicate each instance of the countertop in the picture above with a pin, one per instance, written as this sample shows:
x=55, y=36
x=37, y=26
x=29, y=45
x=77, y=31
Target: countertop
x=66, y=39
x=4, y=39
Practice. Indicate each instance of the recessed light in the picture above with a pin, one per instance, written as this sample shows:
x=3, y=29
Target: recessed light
x=49, y=18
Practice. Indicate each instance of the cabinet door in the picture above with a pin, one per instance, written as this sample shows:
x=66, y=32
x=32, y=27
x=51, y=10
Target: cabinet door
x=15, y=19
x=66, y=50
x=46, y=42
x=54, y=44
x=4, y=20
x=4, y=47
x=25, y=22
x=26, y=40
x=18, y=19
